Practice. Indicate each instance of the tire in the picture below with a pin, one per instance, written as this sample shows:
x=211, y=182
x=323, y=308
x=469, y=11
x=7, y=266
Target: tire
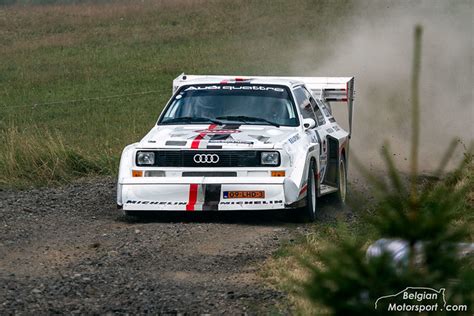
x=308, y=213
x=341, y=194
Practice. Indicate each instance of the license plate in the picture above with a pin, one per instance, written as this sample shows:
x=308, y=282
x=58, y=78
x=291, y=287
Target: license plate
x=244, y=194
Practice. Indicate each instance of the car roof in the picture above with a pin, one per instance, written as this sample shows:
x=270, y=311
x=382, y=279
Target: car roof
x=225, y=80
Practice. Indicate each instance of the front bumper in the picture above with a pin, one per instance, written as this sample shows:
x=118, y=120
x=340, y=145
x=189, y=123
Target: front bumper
x=199, y=193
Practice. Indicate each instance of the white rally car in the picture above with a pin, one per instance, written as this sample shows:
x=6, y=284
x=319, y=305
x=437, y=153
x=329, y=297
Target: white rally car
x=227, y=143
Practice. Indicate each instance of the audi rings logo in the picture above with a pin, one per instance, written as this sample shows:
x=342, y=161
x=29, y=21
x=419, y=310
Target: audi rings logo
x=206, y=158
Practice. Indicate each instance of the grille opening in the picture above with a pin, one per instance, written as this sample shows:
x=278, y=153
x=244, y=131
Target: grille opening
x=227, y=158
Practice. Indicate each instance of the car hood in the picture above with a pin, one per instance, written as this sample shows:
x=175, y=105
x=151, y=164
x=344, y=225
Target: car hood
x=216, y=137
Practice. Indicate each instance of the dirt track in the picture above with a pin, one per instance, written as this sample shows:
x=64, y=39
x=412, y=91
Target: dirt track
x=68, y=250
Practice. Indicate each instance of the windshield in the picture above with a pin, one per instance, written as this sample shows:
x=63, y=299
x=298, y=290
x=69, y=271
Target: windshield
x=222, y=104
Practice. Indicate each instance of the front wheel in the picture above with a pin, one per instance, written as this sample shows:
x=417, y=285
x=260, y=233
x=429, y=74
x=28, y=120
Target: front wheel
x=308, y=213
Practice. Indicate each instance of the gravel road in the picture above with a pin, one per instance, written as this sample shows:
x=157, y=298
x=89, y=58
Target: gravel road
x=68, y=250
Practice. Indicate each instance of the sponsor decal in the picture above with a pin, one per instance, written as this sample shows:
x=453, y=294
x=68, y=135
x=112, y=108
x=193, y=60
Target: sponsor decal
x=192, y=88
x=230, y=141
x=155, y=202
x=323, y=159
x=251, y=202
x=323, y=162
x=329, y=130
x=218, y=131
x=253, y=88
x=237, y=87
x=326, y=111
x=294, y=138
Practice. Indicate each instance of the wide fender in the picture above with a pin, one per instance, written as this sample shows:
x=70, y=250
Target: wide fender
x=125, y=167
x=301, y=157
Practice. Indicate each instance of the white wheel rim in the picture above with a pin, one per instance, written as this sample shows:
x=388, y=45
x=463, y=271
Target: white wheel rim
x=342, y=181
x=313, y=194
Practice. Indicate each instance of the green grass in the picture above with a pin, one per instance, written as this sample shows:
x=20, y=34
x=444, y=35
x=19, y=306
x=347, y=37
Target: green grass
x=56, y=52
x=27, y=159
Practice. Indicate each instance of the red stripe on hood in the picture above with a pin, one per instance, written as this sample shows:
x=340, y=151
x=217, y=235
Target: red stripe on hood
x=197, y=140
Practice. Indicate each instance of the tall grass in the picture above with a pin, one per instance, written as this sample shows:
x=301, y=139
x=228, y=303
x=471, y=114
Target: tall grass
x=38, y=158
x=88, y=49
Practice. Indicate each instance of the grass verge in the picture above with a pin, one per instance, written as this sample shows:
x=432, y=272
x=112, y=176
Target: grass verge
x=39, y=158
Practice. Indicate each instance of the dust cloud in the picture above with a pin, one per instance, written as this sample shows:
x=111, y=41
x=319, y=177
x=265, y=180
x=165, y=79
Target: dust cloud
x=376, y=45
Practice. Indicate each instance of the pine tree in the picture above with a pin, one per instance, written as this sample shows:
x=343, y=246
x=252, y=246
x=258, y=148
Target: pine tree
x=421, y=214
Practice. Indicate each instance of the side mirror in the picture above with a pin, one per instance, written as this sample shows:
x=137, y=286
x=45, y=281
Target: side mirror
x=308, y=123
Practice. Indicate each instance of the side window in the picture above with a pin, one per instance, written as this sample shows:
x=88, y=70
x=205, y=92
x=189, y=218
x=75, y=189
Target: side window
x=304, y=103
x=317, y=111
x=319, y=115
x=300, y=96
x=325, y=108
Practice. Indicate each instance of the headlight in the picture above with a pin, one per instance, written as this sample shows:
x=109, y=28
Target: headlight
x=145, y=158
x=271, y=158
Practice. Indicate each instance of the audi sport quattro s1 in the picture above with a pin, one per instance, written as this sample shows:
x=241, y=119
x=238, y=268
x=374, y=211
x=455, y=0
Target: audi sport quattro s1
x=226, y=143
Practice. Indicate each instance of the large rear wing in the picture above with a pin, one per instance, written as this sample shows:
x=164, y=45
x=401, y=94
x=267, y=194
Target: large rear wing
x=330, y=89
x=333, y=89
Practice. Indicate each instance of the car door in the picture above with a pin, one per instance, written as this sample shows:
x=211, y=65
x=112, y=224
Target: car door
x=307, y=106
x=322, y=131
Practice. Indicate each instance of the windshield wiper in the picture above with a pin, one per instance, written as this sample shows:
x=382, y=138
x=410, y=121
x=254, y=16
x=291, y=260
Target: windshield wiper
x=190, y=119
x=246, y=119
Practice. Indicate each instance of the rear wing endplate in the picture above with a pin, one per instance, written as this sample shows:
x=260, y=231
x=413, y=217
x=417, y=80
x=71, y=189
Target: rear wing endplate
x=330, y=89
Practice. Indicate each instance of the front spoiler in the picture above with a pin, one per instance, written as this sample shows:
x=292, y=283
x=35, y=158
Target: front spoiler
x=200, y=193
